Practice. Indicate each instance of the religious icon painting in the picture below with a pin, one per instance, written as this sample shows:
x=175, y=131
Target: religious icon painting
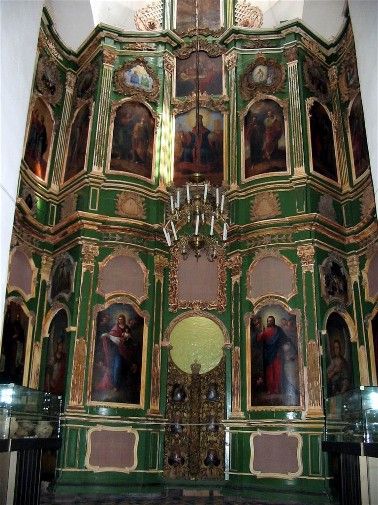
x=339, y=356
x=204, y=155
x=358, y=140
x=316, y=79
x=209, y=15
x=136, y=79
x=57, y=353
x=77, y=147
x=117, y=375
x=62, y=276
x=133, y=140
x=39, y=140
x=264, y=139
x=322, y=143
x=275, y=368
x=209, y=75
x=334, y=280
x=264, y=75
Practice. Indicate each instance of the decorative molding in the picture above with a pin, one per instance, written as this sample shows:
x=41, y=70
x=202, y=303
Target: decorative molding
x=312, y=46
x=264, y=206
x=131, y=204
x=205, y=100
x=149, y=17
x=247, y=15
x=212, y=49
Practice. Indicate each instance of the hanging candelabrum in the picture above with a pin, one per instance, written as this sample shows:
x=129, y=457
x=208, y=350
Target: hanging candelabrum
x=196, y=218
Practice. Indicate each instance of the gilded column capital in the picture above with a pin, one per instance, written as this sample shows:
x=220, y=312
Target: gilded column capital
x=169, y=63
x=354, y=268
x=109, y=57
x=235, y=265
x=306, y=253
x=70, y=81
x=231, y=60
x=46, y=265
x=90, y=251
x=160, y=263
x=291, y=54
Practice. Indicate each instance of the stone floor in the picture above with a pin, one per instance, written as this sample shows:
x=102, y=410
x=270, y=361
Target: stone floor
x=48, y=498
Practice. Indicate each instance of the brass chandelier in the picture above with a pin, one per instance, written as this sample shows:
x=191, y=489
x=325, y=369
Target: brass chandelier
x=196, y=214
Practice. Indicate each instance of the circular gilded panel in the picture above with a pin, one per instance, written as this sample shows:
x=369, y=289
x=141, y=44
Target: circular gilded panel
x=196, y=339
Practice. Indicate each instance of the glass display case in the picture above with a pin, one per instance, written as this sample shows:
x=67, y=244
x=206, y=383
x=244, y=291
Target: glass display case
x=353, y=416
x=27, y=414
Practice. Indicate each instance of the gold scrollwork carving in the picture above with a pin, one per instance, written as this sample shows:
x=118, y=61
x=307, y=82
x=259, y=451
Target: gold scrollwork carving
x=90, y=251
x=313, y=376
x=78, y=372
x=291, y=54
x=231, y=60
x=211, y=48
x=306, y=253
x=130, y=204
x=235, y=265
x=205, y=100
x=263, y=75
x=149, y=92
x=109, y=57
x=49, y=81
x=161, y=262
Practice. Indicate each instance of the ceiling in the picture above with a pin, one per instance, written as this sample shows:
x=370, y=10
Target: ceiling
x=75, y=20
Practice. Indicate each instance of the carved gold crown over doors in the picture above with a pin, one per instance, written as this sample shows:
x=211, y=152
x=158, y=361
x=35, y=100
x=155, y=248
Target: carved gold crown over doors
x=194, y=438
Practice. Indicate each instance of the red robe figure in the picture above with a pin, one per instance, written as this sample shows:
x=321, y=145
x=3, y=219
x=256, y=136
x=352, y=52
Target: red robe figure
x=272, y=338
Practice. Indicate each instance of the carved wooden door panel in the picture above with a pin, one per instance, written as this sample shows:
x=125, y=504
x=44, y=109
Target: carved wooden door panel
x=194, y=437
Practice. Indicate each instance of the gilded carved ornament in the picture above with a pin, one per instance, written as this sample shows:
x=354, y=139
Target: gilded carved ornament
x=291, y=54
x=78, y=372
x=160, y=263
x=43, y=40
x=130, y=204
x=49, y=80
x=140, y=46
x=109, y=57
x=35, y=365
x=90, y=252
x=333, y=77
x=234, y=263
x=205, y=100
x=264, y=206
x=313, y=376
x=169, y=63
x=46, y=266
x=353, y=268
x=266, y=239
x=149, y=17
x=247, y=15
x=70, y=81
x=306, y=254
x=263, y=75
x=212, y=49
x=149, y=92
x=313, y=47
x=175, y=303
x=231, y=60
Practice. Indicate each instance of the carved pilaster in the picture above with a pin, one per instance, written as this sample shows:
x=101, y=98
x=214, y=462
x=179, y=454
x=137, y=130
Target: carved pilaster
x=231, y=60
x=363, y=366
x=306, y=253
x=314, y=379
x=295, y=117
x=236, y=381
x=35, y=365
x=99, y=153
x=340, y=145
x=166, y=176
x=155, y=381
x=78, y=373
